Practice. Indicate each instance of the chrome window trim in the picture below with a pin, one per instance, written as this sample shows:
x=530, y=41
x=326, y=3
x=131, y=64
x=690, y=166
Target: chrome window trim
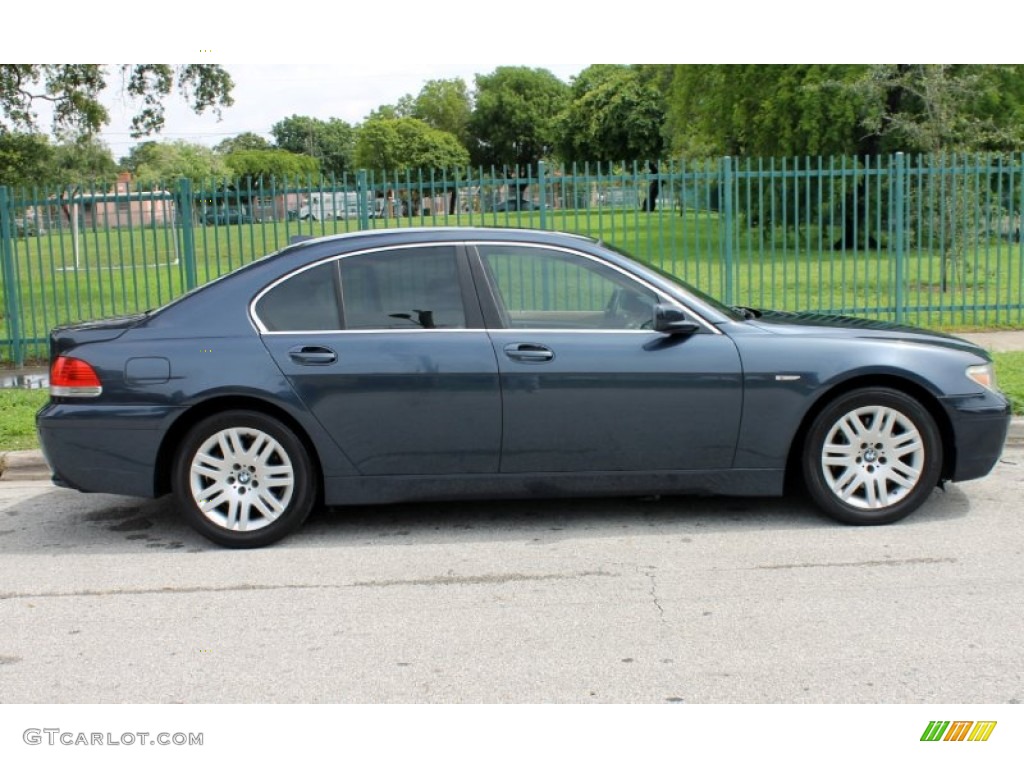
x=262, y=329
x=662, y=296
x=420, y=331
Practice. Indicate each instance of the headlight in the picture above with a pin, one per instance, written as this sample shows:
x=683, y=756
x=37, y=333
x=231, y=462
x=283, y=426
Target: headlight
x=984, y=375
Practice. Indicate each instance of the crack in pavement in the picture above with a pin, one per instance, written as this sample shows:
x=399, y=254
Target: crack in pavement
x=649, y=571
x=860, y=564
x=439, y=581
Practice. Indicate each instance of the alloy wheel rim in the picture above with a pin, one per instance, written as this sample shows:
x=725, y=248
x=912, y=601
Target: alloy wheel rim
x=241, y=479
x=873, y=457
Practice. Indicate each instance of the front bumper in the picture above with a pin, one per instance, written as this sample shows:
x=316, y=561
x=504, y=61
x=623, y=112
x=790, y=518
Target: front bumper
x=980, y=424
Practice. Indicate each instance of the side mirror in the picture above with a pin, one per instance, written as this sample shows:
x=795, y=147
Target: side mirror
x=673, y=321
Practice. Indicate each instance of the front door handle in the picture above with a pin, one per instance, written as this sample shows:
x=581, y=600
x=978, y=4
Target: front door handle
x=312, y=355
x=529, y=353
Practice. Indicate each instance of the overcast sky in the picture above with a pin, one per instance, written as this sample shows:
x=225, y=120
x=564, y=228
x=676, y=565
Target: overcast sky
x=266, y=93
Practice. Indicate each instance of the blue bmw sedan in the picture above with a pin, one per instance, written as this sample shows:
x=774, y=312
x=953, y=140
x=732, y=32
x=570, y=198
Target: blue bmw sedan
x=453, y=363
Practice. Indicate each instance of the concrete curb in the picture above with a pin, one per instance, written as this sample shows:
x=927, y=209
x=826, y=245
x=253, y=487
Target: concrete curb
x=30, y=465
x=18, y=466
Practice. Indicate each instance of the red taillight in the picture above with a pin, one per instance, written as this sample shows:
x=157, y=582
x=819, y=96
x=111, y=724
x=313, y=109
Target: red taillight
x=71, y=377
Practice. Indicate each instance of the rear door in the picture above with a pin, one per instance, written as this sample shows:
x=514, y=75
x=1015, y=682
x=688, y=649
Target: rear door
x=386, y=348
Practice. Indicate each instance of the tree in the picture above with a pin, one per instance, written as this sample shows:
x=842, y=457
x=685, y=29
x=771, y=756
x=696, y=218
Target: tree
x=29, y=159
x=258, y=167
x=246, y=140
x=762, y=110
x=445, y=105
x=402, y=108
x=939, y=108
x=410, y=147
x=407, y=145
x=163, y=163
x=613, y=116
x=84, y=159
x=74, y=91
x=329, y=141
x=25, y=159
x=514, y=120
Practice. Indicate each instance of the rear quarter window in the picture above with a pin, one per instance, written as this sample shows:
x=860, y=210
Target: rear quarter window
x=306, y=301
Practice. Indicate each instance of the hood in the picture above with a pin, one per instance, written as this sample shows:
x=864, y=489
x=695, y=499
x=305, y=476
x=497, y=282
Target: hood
x=812, y=324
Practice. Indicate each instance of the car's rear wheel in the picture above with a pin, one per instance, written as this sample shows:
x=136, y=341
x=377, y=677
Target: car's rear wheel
x=872, y=456
x=243, y=479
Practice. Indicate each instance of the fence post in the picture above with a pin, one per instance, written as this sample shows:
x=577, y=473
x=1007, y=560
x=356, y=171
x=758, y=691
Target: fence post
x=188, y=240
x=898, y=223
x=542, y=193
x=727, y=227
x=361, y=190
x=12, y=312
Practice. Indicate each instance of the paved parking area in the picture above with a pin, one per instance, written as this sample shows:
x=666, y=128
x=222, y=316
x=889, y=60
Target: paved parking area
x=112, y=599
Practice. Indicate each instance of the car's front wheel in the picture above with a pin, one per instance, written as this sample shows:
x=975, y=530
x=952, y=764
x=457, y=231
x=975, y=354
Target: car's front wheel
x=872, y=456
x=243, y=479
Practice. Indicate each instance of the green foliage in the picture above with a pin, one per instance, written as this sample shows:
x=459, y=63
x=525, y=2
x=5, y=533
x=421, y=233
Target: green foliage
x=830, y=109
x=163, y=163
x=392, y=111
x=261, y=166
x=761, y=110
x=30, y=159
x=940, y=108
x=406, y=144
x=330, y=142
x=18, y=418
x=74, y=91
x=614, y=116
x=1010, y=377
x=515, y=119
x=446, y=106
x=26, y=159
x=85, y=159
x=246, y=140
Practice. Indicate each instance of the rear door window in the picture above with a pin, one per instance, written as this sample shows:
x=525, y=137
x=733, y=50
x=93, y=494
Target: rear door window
x=403, y=288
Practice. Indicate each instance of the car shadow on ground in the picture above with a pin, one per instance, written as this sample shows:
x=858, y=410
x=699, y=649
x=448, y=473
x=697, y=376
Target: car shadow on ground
x=64, y=521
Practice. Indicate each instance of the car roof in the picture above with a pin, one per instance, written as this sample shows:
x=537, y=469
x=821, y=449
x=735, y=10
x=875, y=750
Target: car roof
x=413, y=234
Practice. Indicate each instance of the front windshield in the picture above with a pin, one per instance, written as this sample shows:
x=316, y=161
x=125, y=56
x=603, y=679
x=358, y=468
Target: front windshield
x=696, y=292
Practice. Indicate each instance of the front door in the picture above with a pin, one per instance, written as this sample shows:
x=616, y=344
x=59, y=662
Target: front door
x=588, y=386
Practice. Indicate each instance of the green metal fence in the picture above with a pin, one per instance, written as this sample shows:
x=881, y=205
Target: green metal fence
x=925, y=239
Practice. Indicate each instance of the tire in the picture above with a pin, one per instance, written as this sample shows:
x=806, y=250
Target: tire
x=872, y=456
x=243, y=479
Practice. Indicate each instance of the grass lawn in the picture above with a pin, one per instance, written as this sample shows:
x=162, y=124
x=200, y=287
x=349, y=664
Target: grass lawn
x=18, y=406
x=17, y=418
x=1010, y=377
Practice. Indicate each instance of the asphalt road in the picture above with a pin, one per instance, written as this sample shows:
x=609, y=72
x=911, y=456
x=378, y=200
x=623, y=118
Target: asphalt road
x=110, y=599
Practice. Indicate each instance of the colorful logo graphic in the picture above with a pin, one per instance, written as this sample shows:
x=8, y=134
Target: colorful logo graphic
x=958, y=730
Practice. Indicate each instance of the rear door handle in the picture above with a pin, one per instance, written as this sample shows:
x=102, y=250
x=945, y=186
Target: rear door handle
x=529, y=353
x=312, y=355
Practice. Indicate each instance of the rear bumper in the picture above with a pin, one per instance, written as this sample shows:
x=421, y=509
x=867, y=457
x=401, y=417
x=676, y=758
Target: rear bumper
x=100, y=449
x=980, y=425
